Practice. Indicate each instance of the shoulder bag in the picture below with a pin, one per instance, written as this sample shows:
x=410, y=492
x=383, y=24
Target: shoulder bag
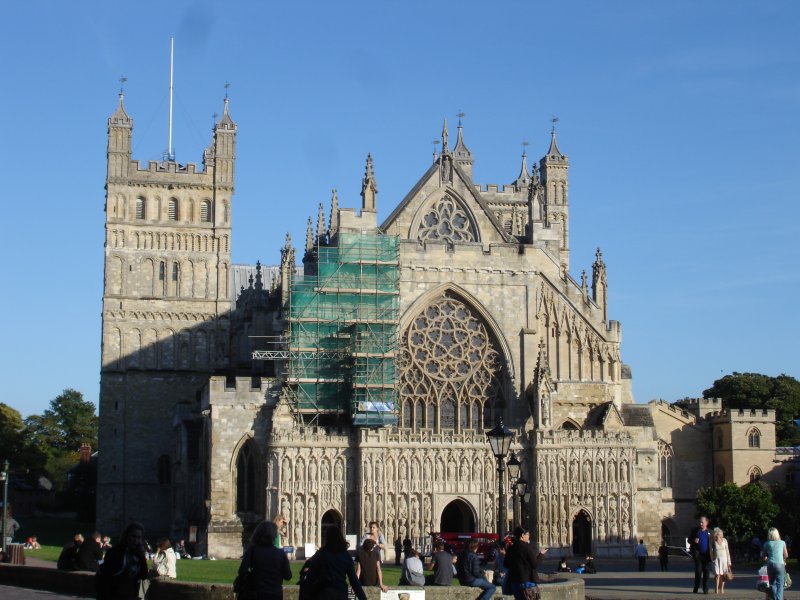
x=245, y=585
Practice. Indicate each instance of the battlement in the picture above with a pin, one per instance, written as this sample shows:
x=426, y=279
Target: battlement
x=663, y=404
x=766, y=415
x=168, y=173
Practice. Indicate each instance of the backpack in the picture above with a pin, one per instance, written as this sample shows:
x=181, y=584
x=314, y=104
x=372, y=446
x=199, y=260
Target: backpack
x=313, y=577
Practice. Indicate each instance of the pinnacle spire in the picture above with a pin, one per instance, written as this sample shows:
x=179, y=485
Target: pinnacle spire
x=259, y=282
x=445, y=147
x=309, y=236
x=524, y=178
x=369, y=187
x=333, y=221
x=461, y=153
x=553, y=151
x=321, y=222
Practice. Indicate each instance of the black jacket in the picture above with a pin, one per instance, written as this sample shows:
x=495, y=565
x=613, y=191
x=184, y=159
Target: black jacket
x=270, y=567
x=89, y=556
x=120, y=574
x=522, y=563
x=68, y=559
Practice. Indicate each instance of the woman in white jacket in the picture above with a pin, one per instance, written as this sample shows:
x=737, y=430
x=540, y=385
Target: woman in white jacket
x=164, y=559
x=722, y=558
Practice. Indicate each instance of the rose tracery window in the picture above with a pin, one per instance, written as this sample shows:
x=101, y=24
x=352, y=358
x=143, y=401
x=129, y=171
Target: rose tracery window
x=446, y=221
x=448, y=360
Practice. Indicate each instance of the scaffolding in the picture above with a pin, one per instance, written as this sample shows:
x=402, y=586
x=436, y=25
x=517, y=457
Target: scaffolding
x=342, y=332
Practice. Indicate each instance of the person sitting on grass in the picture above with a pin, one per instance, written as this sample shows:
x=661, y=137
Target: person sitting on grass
x=412, y=573
x=32, y=544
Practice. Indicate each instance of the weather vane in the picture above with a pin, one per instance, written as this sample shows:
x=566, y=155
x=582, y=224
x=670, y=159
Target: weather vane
x=525, y=144
x=122, y=81
x=461, y=114
x=227, y=85
x=214, y=118
x=554, y=120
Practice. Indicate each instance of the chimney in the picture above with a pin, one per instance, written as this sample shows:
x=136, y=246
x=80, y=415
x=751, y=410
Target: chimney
x=85, y=452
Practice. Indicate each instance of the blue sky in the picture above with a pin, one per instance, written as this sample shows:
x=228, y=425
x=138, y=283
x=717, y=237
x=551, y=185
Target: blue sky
x=680, y=119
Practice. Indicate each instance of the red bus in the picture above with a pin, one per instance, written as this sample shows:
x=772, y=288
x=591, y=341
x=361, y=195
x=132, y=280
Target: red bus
x=457, y=542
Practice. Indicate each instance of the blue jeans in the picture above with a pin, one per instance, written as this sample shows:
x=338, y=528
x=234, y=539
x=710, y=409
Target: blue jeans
x=487, y=586
x=777, y=575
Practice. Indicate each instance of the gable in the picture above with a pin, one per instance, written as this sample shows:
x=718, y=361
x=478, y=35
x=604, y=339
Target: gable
x=445, y=209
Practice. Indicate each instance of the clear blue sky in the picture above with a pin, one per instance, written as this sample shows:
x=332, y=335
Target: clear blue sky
x=681, y=120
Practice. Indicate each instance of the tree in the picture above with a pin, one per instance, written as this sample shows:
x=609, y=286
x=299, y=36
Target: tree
x=69, y=422
x=754, y=390
x=740, y=512
x=16, y=446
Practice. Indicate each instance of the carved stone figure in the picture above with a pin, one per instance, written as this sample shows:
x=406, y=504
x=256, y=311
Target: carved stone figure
x=414, y=508
x=415, y=470
x=439, y=469
x=312, y=471
x=379, y=470
x=338, y=474
x=325, y=470
x=451, y=471
x=298, y=470
x=286, y=471
x=426, y=510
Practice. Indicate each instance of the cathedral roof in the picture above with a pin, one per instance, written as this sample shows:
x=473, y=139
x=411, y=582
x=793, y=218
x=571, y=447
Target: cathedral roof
x=637, y=415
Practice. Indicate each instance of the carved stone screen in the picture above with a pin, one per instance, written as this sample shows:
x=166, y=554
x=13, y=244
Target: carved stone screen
x=450, y=363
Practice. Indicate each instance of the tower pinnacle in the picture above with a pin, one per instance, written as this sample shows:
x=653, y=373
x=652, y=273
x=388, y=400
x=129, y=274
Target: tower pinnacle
x=369, y=187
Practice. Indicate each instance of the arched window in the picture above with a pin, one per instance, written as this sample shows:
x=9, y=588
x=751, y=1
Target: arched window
x=172, y=209
x=419, y=415
x=430, y=420
x=246, y=480
x=754, y=438
x=164, y=470
x=476, y=415
x=448, y=414
x=205, y=211
x=407, y=414
x=665, y=456
x=754, y=474
x=569, y=426
x=463, y=413
x=140, y=212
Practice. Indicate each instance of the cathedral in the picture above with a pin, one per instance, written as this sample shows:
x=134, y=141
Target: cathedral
x=360, y=384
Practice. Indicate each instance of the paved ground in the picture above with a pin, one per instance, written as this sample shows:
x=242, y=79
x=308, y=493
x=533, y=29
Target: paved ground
x=620, y=579
x=13, y=593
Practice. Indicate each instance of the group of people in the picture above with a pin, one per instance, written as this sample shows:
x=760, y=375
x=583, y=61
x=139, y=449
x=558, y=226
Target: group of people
x=710, y=551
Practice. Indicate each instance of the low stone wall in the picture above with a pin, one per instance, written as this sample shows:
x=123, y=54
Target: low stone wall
x=82, y=584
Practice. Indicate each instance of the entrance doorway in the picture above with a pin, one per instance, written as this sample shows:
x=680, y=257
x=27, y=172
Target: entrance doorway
x=582, y=534
x=457, y=517
x=329, y=519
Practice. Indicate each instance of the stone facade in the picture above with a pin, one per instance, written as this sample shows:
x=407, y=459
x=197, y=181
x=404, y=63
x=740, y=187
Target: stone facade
x=199, y=440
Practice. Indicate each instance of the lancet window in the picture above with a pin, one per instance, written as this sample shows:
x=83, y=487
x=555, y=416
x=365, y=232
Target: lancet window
x=449, y=363
x=665, y=456
x=754, y=438
x=246, y=480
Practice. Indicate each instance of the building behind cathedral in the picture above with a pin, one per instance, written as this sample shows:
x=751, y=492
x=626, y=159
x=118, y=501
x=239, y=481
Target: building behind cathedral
x=380, y=364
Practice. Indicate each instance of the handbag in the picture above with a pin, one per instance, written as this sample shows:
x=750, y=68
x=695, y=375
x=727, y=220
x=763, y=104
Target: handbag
x=787, y=581
x=530, y=591
x=729, y=575
x=245, y=585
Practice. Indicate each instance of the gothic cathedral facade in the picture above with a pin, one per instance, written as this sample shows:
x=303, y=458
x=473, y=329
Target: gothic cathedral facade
x=199, y=440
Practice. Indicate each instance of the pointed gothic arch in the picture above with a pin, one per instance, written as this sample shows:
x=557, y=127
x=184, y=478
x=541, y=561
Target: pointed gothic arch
x=569, y=425
x=450, y=357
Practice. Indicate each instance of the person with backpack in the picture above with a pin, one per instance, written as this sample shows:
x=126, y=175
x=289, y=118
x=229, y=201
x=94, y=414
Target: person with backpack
x=324, y=576
x=264, y=567
x=470, y=572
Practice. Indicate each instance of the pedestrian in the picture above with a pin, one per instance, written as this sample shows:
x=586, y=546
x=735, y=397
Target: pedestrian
x=523, y=563
x=701, y=552
x=775, y=554
x=721, y=556
x=376, y=535
x=470, y=573
x=563, y=567
x=264, y=566
x=398, y=551
x=32, y=543
x=368, y=565
x=337, y=565
x=124, y=567
x=442, y=565
x=640, y=552
x=412, y=573
x=164, y=560
x=180, y=549
x=663, y=557
x=12, y=526
x=755, y=547
x=90, y=554
x=500, y=569
x=282, y=525
x=68, y=559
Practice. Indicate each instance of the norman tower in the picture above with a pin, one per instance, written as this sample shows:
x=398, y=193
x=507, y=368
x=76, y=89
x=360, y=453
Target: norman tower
x=165, y=324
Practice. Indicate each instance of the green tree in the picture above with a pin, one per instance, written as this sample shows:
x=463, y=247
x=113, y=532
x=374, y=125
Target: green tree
x=740, y=512
x=754, y=390
x=16, y=445
x=69, y=422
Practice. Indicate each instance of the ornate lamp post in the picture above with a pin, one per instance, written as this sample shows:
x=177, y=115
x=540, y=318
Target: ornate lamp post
x=521, y=487
x=4, y=479
x=513, y=465
x=500, y=442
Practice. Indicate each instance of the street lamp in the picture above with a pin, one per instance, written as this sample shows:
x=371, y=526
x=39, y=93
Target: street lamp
x=527, y=498
x=513, y=465
x=4, y=479
x=500, y=442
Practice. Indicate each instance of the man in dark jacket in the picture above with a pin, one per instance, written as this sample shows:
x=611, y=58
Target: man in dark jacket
x=90, y=554
x=522, y=562
x=471, y=574
x=68, y=559
x=700, y=545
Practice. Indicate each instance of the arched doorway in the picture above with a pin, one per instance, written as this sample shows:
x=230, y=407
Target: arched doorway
x=329, y=519
x=457, y=517
x=582, y=534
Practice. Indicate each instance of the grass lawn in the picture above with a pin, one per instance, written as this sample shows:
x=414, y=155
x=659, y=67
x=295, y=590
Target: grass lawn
x=51, y=531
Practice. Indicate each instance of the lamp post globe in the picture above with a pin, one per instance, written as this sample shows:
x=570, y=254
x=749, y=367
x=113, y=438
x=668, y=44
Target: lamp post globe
x=500, y=442
x=513, y=465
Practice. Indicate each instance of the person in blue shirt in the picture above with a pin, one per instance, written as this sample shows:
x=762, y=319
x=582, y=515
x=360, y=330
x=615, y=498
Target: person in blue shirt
x=775, y=554
x=701, y=551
